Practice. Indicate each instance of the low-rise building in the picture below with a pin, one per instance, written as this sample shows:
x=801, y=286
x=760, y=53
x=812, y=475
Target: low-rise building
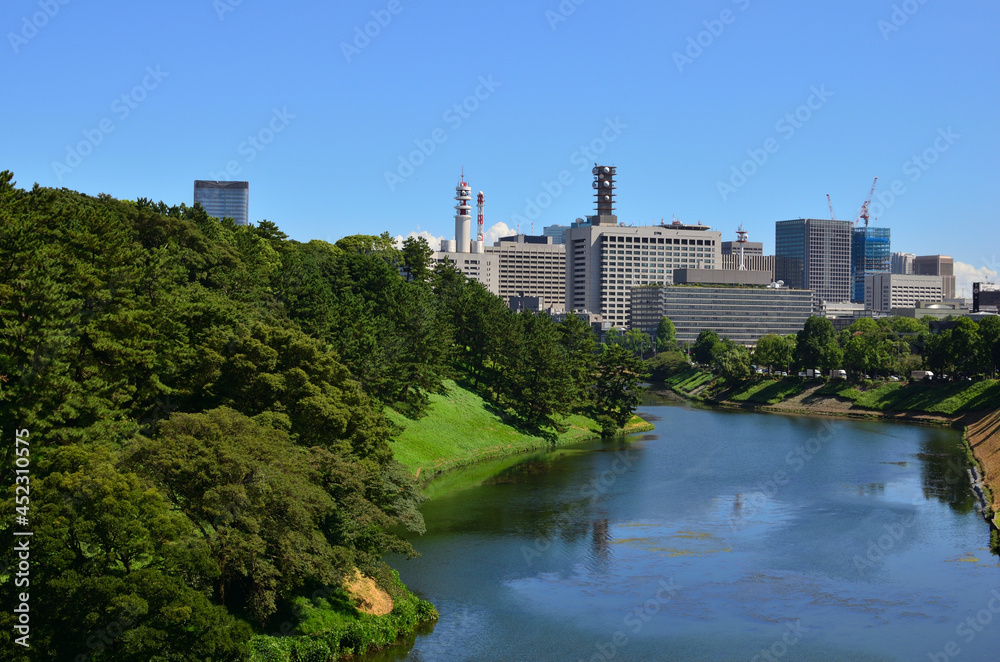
x=742, y=314
x=885, y=292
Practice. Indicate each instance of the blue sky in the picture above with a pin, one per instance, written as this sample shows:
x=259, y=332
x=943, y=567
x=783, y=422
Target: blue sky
x=727, y=112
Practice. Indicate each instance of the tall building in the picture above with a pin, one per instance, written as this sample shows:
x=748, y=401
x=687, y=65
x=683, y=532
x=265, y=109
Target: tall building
x=742, y=314
x=557, y=232
x=937, y=265
x=814, y=254
x=884, y=292
x=901, y=263
x=870, y=254
x=224, y=199
x=531, y=266
x=604, y=260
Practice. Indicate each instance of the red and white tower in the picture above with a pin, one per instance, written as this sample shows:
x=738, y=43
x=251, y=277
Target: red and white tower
x=463, y=216
x=481, y=205
x=741, y=239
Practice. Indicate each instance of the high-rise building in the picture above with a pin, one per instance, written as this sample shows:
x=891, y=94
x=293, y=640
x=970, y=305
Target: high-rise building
x=814, y=254
x=531, y=266
x=604, y=260
x=557, y=232
x=901, y=263
x=870, y=254
x=884, y=292
x=224, y=199
x=937, y=265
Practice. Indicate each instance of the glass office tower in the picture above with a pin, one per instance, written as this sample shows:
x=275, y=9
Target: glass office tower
x=224, y=199
x=814, y=254
x=870, y=254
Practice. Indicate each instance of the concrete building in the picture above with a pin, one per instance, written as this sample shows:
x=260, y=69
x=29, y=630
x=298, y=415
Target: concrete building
x=902, y=263
x=742, y=314
x=605, y=260
x=844, y=313
x=886, y=292
x=937, y=310
x=530, y=266
x=870, y=254
x=763, y=263
x=814, y=254
x=480, y=267
x=749, y=248
x=937, y=265
x=223, y=199
x=688, y=276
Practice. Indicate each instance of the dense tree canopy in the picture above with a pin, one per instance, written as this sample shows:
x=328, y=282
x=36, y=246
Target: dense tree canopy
x=206, y=407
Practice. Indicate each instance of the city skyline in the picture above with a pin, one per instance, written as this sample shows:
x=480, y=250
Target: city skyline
x=727, y=114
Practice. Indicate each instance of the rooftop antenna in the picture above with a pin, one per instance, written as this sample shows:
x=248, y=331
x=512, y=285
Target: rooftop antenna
x=741, y=239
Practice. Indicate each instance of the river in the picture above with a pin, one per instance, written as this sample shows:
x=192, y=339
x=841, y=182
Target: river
x=719, y=536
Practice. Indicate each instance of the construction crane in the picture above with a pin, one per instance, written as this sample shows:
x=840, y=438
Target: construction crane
x=864, y=207
x=830, y=202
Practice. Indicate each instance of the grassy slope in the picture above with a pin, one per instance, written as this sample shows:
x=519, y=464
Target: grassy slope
x=460, y=428
x=946, y=399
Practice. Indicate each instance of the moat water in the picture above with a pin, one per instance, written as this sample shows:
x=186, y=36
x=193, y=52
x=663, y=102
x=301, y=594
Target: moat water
x=719, y=536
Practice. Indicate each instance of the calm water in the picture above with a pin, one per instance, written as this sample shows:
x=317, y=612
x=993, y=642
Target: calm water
x=720, y=536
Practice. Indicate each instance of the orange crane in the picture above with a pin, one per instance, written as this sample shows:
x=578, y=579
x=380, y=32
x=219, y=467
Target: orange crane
x=864, y=207
x=830, y=202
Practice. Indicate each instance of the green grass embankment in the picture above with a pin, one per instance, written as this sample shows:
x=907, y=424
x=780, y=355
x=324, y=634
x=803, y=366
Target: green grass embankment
x=946, y=399
x=460, y=428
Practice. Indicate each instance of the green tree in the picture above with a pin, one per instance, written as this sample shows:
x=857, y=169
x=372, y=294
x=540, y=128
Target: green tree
x=731, y=360
x=619, y=385
x=816, y=345
x=968, y=349
x=580, y=344
x=989, y=330
x=704, y=346
x=666, y=335
x=416, y=255
x=666, y=364
x=773, y=351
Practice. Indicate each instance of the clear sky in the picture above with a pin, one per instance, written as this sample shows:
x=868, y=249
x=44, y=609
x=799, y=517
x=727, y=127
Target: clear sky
x=727, y=112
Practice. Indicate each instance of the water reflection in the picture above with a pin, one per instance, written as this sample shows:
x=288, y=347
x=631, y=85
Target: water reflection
x=945, y=473
x=543, y=558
